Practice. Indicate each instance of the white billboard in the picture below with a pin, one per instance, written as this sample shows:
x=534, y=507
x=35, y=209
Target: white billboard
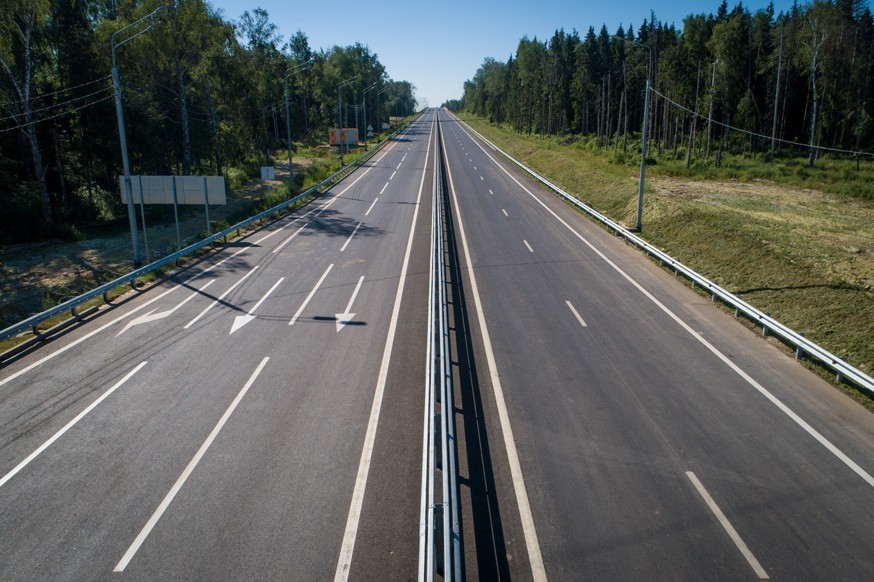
x=188, y=189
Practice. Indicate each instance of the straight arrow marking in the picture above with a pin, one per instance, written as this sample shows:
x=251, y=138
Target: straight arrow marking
x=346, y=316
x=242, y=320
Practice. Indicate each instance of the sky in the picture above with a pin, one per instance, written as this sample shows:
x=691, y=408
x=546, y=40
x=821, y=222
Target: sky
x=439, y=46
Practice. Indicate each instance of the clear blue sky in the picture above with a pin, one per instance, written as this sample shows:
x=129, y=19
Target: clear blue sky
x=439, y=46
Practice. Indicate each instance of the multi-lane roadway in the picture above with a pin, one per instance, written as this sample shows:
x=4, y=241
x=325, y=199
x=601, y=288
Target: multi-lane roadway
x=259, y=415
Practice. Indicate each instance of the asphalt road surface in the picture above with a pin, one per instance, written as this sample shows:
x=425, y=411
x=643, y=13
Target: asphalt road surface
x=636, y=431
x=257, y=416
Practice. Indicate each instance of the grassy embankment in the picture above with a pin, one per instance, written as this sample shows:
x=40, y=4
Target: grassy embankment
x=796, y=245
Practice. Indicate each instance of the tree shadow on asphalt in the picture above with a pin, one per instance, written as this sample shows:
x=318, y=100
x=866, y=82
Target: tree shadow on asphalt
x=487, y=528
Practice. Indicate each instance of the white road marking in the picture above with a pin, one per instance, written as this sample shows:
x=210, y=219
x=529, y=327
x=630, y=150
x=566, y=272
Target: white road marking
x=732, y=533
x=152, y=316
x=490, y=192
x=374, y=201
x=220, y=297
x=293, y=220
x=168, y=499
x=68, y=426
x=505, y=213
x=351, y=532
x=383, y=190
x=752, y=382
x=241, y=320
x=399, y=166
x=527, y=245
x=289, y=239
x=357, y=226
x=346, y=316
x=310, y=296
x=474, y=167
x=392, y=175
x=576, y=314
x=133, y=311
x=538, y=570
x=481, y=178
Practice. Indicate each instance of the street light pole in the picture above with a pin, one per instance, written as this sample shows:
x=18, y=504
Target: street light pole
x=290, y=73
x=122, y=134
x=379, y=115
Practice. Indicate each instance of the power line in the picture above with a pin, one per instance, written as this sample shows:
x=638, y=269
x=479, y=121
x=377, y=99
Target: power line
x=56, y=105
x=55, y=92
x=768, y=137
x=35, y=121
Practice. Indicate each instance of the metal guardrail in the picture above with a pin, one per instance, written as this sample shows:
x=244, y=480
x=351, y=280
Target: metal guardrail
x=439, y=523
x=802, y=345
x=70, y=305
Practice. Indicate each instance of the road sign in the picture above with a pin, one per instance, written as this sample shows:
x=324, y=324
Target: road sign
x=268, y=173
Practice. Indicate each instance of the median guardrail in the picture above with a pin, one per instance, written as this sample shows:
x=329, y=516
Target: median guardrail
x=71, y=305
x=439, y=522
x=803, y=346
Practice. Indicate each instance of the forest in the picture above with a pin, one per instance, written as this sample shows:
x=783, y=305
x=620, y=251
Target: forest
x=202, y=94
x=797, y=83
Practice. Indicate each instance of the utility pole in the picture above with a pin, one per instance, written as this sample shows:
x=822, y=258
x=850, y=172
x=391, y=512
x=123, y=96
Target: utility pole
x=639, y=225
x=122, y=135
x=710, y=113
x=289, y=73
x=777, y=95
x=340, y=85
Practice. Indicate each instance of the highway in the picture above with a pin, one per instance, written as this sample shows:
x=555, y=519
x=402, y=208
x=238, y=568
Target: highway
x=635, y=431
x=256, y=416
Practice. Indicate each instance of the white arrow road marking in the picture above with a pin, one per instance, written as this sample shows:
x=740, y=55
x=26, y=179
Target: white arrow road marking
x=346, y=316
x=242, y=320
x=152, y=316
x=220, y=297
x=575, y=312
x=310, y=296
x=68, y=426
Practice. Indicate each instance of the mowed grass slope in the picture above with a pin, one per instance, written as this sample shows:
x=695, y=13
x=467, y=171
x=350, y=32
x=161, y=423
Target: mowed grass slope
x=802, y=255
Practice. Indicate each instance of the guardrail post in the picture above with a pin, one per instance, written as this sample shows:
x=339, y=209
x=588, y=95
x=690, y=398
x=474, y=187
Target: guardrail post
x=74, y=312
x=106, y=297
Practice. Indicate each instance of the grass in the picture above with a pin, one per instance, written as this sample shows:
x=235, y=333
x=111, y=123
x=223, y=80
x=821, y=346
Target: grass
x=803, y=255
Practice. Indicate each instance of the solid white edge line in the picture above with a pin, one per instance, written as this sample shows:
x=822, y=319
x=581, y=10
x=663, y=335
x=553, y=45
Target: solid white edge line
x=69, y=425
x=732, y=533
x=528, y=245
x=761, y=389
x=577, y=314
x=165, y=503
x=347, y=548
x=219, y=298
x=348, y=240
x=310, y=296
x=538, y=571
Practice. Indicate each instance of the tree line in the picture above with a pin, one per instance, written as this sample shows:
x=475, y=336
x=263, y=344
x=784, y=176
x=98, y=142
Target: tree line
x=203, y=94
x=740, y=81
